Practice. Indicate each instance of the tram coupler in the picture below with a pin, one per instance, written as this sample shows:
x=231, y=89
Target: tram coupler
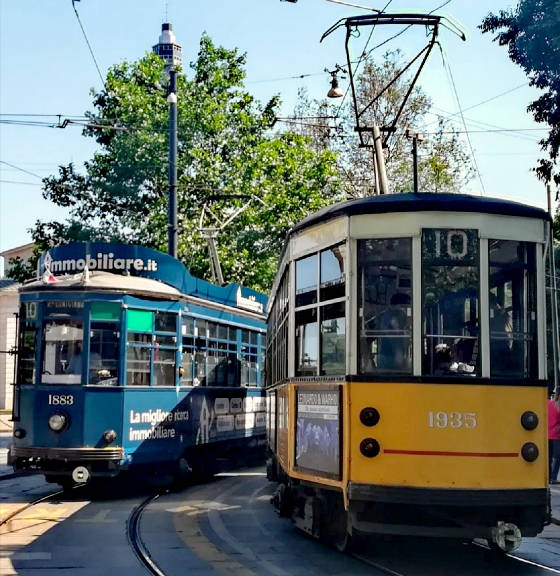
x=506, y=536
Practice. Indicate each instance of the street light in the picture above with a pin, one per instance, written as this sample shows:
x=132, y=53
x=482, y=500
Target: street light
x=415, y=137
x=168, y=49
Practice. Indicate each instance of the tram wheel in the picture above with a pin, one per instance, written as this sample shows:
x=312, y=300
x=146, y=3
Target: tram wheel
x=334, y=524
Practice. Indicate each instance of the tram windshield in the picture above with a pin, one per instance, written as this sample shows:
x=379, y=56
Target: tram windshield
x=385, y=305
x=450, y=285
x=62, y=352
x=513, y=341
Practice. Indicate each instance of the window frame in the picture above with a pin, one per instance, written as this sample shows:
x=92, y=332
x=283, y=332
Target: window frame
x=317, y=304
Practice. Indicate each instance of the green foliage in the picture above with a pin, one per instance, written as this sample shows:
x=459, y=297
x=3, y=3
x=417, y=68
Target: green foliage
x=226, y=154
x=531, y=33
x=20, y=270
x=443, y=164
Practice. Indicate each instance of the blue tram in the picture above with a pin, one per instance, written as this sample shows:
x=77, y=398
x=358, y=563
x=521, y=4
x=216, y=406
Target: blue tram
x=128, y=362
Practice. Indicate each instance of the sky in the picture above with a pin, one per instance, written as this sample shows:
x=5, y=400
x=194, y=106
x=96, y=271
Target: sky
x=47, y=68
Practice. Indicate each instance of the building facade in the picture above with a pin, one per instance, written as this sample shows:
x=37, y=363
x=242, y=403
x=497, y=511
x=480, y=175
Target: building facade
x=9, y=305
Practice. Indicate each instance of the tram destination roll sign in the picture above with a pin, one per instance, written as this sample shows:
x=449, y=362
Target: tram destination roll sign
x=445, y=247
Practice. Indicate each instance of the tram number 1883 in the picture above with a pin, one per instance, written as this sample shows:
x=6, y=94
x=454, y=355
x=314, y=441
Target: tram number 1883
x=452, y=419
x=61, y=399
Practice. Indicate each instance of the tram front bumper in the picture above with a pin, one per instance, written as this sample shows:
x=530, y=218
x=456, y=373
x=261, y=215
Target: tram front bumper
x=48, y=460
x=455, y=513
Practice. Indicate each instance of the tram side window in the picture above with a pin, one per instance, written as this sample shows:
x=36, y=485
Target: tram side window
x=140, y=324
x=249, y=358
x=385, y=305
x=320, y=313
x=277, y=336
x=26, y=353
x=307, y=345
x=333, y=339
x=512, y=298
x=306, y=281
x=450, y=286
x=165, y=346
x=187, y=358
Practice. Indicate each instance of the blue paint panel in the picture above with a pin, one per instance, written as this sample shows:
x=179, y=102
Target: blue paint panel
x=42, y=402
x=156, y=424
x=160, y=424
x=103, y=411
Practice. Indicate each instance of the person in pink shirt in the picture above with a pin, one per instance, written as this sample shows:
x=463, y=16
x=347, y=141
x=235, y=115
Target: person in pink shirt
x=554, y=436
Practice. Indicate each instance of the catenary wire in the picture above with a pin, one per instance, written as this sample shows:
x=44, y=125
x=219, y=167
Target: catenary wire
x=88, y=43
x=450, y=75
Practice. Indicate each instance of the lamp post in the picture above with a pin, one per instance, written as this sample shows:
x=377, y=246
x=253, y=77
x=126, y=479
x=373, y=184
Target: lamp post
x=415, y=137
x=168, y=49
x=172, y=101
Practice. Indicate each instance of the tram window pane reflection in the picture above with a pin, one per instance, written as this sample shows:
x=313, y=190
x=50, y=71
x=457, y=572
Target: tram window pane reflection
x=385, y=305
x=164, y=367
x=306, y=281
x=62, y=352
x=138, y=366
x=332, y=273
x=306, y=343
x=513, y=342
x=26, y=356
x=450, y=284
x=103, y=353
x=333, y=339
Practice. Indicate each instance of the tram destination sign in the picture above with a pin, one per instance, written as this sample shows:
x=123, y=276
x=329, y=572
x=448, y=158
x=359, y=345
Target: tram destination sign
x=446, y=246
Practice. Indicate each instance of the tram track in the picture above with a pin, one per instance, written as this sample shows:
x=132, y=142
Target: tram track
x=29, y=505
x=135, y=538
x=520, y=559
x=501, y=557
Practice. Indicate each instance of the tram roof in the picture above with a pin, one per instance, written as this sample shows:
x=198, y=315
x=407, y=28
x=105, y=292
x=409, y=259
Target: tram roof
x=421, y=202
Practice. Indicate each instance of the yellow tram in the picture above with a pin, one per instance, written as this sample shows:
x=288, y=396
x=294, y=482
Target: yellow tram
x=406, y=370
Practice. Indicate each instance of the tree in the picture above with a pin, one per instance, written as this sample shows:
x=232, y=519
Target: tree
x=532, y=34
x=227, y=153
x=443, y=166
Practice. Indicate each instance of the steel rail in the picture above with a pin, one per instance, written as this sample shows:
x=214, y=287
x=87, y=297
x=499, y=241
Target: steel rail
x=135, y=539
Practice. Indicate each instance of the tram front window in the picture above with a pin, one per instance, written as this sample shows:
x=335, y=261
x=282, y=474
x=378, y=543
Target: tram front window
x=385, y=305
x=62, y=352
x=103, y=353
x=450, y=283
x=512, y=301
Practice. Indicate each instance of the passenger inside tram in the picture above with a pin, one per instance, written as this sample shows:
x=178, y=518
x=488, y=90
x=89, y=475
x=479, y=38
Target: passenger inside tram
x=394, y=347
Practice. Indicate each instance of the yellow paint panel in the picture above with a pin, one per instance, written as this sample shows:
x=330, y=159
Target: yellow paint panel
x=450, y=436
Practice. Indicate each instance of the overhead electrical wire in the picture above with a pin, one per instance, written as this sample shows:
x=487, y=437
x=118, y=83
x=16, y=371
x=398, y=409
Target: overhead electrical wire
x=88, y=43
x=447, y=67
x=21, y=169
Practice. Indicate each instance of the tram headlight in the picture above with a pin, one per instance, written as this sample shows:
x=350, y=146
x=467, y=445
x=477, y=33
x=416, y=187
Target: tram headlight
x=109, y=436
x=530, y=452
x=369, y=416
x=369, y=447
x=58, y=422
x=529, y=420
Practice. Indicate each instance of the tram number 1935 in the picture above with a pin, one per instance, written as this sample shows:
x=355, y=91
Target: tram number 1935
x=452, y=420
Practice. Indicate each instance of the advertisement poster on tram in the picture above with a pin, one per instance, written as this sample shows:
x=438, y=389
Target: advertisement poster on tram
x=318, y=430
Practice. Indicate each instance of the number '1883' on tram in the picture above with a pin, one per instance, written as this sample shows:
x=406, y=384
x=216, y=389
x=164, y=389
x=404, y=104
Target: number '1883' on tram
x=406, y=370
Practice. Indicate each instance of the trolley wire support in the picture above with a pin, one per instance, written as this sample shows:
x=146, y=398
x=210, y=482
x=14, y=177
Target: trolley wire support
x=368, y=133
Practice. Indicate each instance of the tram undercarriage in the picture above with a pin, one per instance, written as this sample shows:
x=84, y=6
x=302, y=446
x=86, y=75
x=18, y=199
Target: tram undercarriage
x=502, y=518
